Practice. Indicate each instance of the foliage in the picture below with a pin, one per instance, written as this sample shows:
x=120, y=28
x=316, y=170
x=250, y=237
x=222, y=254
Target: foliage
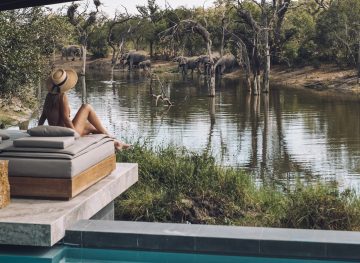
x=97, y=42
x=24, y=47
x=177, y=185
x=338, y=32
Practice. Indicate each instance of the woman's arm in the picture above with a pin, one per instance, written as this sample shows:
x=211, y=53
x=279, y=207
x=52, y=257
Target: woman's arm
x=42, y=118
x=66, y=112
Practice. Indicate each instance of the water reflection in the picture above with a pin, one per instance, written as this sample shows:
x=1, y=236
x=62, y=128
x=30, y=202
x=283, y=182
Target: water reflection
x=278, y=136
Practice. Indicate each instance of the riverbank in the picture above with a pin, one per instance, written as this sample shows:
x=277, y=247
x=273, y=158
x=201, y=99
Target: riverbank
x=16, y=110
x=176, y=185
x=327, y=80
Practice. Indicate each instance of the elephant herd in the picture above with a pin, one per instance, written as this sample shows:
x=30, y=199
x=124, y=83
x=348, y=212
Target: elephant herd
x=141, y=60
x=135, y=59
x=226, y=63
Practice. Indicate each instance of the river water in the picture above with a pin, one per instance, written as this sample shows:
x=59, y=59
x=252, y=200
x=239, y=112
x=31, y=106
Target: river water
x=281, y=136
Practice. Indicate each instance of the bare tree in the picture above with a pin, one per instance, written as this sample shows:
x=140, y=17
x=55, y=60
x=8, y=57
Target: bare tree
x=162, y=96
x=270, y=24
x=243, y=58
x=192, y=26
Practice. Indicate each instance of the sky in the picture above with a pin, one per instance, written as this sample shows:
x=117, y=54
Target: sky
x=109, y=6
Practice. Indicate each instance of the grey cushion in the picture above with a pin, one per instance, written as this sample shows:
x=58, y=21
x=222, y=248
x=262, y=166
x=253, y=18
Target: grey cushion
x=81, y=145
x=45, y=142
x=4, y=136
x=52, y=131
x=58, y=168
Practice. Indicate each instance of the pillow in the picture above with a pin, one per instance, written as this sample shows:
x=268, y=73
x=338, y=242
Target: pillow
x=4, y=136
x=45, y=142
x=52, y=131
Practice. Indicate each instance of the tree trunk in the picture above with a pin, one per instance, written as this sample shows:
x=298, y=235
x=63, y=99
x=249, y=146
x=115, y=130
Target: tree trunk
x=266, y=82
x=212, y=72
x=212, y=82
x=84, y=60
x=258, y=77
x=358, y=62
x=222, y=41
x=113, y=60
x=255, y=86
x=248, y=82
x=151, y=49
x=84, y=92
x=266, y=76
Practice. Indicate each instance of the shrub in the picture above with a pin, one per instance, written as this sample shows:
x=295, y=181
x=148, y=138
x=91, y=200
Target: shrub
x=177, y=185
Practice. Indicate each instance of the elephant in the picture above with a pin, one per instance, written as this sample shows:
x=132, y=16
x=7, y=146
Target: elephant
x=71, y=51
x=205, y=61
x=186, y=63
x=133, y=58
x=146, y=64
x=225, y=64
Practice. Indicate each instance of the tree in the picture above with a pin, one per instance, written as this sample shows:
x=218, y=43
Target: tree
x=84, y=24
x=27, y=38
x=152, y=14
x=337, y=33
x=263, y=21
x=192, y=26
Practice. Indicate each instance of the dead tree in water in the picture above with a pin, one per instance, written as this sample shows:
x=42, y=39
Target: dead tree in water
x=243, y=59
x=162, y=96
x=193, y=26
x=264, y=32
x=83, y=23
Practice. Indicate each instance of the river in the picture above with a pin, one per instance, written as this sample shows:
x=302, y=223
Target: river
x=281, y=136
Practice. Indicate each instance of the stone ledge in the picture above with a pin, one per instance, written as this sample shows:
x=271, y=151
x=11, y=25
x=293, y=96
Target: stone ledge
x=32, y=222
x=230, y=240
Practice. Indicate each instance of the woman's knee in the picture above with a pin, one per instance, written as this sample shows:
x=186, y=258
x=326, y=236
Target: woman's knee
x=87, y=107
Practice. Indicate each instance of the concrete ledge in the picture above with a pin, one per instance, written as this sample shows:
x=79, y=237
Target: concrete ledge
x=230, y=240
x=43, y=222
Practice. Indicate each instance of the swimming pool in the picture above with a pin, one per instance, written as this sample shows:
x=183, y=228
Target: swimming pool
x=86, y=255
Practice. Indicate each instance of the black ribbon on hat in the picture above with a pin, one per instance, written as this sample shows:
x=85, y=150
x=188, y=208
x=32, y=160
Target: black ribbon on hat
x=56, y=87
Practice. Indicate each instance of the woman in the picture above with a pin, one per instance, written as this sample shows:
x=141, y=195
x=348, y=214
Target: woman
x=57, y=110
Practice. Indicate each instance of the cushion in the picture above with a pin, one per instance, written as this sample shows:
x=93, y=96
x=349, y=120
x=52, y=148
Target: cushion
x=52, y=131
x=45, y=142
x=4, y=136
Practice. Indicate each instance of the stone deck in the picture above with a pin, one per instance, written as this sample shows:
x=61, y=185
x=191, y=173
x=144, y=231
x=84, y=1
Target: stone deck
x=43, y=222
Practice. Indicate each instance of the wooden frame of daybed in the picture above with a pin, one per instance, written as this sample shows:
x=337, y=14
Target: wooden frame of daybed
x=57, y=188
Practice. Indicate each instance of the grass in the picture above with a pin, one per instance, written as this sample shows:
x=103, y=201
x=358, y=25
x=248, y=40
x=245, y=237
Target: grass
x=177, y=185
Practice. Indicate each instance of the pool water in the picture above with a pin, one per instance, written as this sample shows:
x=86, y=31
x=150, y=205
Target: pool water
x=84, y=255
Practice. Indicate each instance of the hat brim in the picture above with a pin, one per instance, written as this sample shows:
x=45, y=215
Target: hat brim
x=71, y=81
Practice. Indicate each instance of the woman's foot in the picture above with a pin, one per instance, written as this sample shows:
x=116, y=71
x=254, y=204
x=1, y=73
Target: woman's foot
x=121, y=145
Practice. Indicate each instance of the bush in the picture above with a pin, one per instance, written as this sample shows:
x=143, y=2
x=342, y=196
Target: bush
x=177, y=185
x=97, y=43
x=318, y=207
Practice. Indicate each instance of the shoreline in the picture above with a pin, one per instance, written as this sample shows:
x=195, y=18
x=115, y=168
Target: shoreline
x=327, y=80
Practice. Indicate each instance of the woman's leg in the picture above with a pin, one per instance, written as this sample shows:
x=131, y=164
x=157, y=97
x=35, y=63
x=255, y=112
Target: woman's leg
x=86, y=121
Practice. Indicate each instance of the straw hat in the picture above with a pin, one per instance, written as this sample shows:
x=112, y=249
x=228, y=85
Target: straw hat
x=61, y=80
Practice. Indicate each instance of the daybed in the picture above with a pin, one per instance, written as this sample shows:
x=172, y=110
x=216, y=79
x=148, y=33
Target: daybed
x=56, y=167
